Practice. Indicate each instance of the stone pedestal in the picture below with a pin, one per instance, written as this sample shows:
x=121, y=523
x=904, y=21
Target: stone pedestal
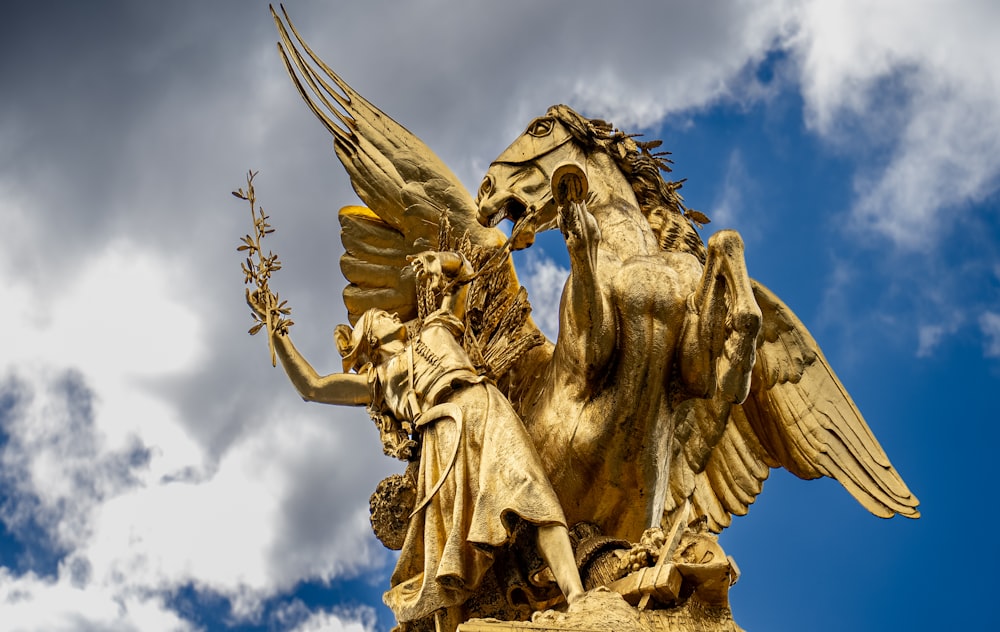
x=605, y=611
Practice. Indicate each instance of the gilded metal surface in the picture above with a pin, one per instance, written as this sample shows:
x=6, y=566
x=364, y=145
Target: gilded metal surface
x=676, y=381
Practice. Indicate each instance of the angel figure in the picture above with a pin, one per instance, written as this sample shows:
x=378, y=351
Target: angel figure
x=479, y=473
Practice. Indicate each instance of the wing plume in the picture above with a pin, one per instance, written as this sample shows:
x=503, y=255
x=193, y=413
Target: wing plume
x=808, y=421
x=391, y=170
x=415, y=203
x=798, y=416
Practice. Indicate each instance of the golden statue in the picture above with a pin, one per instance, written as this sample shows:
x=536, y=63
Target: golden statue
x=675, y=384
x=478, y=474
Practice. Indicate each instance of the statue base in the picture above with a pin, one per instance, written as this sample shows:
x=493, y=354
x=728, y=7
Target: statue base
x=601, y=610
x=686, y=589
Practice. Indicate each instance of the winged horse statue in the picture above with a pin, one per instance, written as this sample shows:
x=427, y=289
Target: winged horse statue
x=675, y=380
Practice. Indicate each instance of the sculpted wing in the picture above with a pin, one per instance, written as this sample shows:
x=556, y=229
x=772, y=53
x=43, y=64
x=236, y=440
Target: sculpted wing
x=405, y=185
x=798, y=416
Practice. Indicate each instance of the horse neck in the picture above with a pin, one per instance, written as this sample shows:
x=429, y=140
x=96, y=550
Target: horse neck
x=608, y=184
x=613, y=203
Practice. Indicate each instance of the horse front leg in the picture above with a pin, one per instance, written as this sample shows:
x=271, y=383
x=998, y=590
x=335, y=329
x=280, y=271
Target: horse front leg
x=720, y=337
x=586, y=338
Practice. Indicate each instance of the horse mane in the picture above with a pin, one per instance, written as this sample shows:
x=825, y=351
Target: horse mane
x=674, y=225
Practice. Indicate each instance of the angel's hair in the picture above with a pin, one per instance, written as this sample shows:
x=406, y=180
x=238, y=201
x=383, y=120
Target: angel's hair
x=358, y=347
x=658, y=198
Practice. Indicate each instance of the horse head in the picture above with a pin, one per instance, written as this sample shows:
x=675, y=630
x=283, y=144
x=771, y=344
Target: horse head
x=625, y=175
x=517, y=185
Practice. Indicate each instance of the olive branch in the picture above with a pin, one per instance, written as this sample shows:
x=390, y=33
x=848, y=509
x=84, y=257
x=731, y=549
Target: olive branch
x=257, y=270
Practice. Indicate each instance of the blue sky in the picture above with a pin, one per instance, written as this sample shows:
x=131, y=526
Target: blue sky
x=157, y=474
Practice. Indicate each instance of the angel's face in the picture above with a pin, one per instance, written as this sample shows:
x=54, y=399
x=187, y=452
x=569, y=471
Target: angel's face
x=387, y=329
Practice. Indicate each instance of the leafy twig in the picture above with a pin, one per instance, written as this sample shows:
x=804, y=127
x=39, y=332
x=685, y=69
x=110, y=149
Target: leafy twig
x=257, y=270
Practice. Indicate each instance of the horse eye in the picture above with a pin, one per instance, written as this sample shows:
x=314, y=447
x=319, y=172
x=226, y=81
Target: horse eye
x=486, y=188
x=541, y=127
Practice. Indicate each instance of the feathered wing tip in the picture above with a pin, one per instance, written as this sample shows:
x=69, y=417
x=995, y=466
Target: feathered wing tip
x=798, y=416
x=808, y=423
x=293, y=59
x=393, y=171
x=407, y=188
x=716, y=463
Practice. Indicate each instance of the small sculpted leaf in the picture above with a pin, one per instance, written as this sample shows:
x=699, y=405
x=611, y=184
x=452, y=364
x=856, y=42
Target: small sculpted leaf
x=256, y=328
x=697, y=217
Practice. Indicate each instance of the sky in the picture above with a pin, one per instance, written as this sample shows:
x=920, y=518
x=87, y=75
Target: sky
x=156, y=473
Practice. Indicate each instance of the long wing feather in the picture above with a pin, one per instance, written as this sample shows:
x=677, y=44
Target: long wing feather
x=723, y=475
x=405, y=185
x=806, y=420
x=798, y=416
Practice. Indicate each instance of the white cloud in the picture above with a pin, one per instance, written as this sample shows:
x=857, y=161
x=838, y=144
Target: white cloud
x=358, y=620
x=79, y=359
x=29, y=603
x=235, y=530
x=229, y=532
x=544, y=279
x=917, y=81
x=100, y=460
x=929, y=337
x=117, y=271
x=989, y=324
x=729, y=205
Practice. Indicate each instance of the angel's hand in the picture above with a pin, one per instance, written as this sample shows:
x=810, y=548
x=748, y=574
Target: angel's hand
x=259, y=303
x=427, y=266
x=465, y=269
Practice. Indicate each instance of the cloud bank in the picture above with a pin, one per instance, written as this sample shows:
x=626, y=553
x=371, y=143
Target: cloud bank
x=144, y=444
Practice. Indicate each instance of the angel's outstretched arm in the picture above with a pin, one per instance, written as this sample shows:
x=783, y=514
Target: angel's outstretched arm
x=345, y=389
